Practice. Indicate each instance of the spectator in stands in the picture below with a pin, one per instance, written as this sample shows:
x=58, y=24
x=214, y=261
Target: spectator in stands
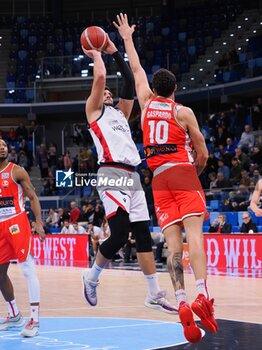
x=74, y=212
x=248, y=226
x=52, y=157
x=222, y=168
x=12, y=156
x=42, y=161
x=11, y=135
x=256, y=156
x=23, y=146
x=131, y=243
x=99, y=215
x=240, y=118
x=22, y=160
x=221, y=136
x=245, y=179
x=247, y=139
x=213, y=180
x=67, y=228
x=243, y=158
x=53, y=218
x=239, y=199
x=257, y=114
x=77, y=229
x=212, y=163
x=222, y=182
x=31, y=129
x=21, y=132
x=256, y=176
x=230, y=147
x=63, y=216
x=87, y=212
x=33, y=229
x=67, y=161
x=235, y=171
x=220, y=225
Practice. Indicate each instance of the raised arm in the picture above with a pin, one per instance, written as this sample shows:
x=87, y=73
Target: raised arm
x=188, y=120
x=143, y=91
x=127, y=91
x=94, y=102
x=255, y=199
x=22, y=177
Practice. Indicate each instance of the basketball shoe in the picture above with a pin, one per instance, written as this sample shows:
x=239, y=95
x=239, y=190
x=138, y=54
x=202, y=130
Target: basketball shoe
x=89, y=290
x=31, y=329
x=12, y=322
x=204, y=309
x=192, y=332
x=160, y=303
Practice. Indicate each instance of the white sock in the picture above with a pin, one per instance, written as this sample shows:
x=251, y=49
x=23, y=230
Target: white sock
x=152, y=283
x=34, y=312
x=180, y=296
x=12, y=308
x=94, y=273
x=202, y=287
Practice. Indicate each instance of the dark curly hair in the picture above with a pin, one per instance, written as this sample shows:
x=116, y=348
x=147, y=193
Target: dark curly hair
x=164, y=82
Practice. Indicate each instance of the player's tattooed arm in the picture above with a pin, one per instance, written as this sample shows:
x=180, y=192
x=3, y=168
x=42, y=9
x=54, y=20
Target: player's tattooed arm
x=175, y=269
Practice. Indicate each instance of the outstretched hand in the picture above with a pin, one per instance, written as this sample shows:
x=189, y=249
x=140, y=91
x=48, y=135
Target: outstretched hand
x=110, y=47
x=124, y=29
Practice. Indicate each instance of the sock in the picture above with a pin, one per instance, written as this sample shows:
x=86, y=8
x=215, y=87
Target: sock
x=152, y=283
x=94, y=273
x=12, y=308
x=34, y=312
x=180, y=296
x=202, y=287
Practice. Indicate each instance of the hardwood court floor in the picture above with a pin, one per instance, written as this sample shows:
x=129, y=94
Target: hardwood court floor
x=121, y=294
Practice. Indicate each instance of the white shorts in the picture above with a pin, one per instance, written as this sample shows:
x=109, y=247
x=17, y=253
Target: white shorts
x=127, y=193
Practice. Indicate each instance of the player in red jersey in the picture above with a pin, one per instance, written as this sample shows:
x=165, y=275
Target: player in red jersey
x=169, y=133
x=15, y=240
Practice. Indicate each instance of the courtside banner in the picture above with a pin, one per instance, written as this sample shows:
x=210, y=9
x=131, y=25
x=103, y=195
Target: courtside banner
x=238, y=251
x=58, y=247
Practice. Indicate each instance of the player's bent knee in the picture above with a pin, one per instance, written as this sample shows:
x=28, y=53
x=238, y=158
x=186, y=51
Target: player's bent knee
x=28, y=267
x=119, y=227
x=142, y=235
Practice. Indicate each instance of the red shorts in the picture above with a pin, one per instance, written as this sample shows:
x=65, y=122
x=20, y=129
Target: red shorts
x=178, y=194
x=15, y=238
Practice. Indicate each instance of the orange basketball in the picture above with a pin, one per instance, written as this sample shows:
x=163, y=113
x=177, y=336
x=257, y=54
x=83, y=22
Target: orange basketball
x=94, y=38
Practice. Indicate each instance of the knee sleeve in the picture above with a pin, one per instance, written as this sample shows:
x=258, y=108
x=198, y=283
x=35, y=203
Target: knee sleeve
x=119, y=227
x=142, y=235
x=29, y=271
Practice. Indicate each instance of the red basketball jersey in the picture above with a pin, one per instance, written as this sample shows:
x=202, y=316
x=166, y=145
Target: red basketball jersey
x=165, y=139
x=11, y=194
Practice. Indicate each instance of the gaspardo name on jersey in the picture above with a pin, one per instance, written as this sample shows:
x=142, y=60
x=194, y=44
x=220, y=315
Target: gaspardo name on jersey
x=81, y=180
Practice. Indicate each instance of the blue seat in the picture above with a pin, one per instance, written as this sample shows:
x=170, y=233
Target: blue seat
x=251, y=64
x=191, y=50
x=54, y=229
x=259, y=62
x=182, y=36
x=213, y=216
x=214, y=204
x=242, y=57
x=232, y=218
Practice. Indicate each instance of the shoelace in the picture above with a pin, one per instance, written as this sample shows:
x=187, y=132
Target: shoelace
x=30, y=323
x=92, y=290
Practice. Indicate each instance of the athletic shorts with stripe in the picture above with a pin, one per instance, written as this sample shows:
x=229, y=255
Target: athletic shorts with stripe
x=178, y=194
x=15, y=238
x=130, y=198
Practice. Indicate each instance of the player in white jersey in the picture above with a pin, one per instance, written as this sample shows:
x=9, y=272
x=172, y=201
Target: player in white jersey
x=125, y=205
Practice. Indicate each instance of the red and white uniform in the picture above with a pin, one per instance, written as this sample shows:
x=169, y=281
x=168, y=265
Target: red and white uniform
x=118, y=155
x=168, y=150
x=15, y=231
x=112, y=138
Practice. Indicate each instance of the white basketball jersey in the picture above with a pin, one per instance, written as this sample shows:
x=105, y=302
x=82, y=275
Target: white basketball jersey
x=112, y=137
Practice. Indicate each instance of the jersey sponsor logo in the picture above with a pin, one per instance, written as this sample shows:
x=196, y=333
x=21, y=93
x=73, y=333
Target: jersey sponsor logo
x=163, y=217
x=14, y=229
x=5, y=183
x=6, y=202
x=151, y=151
x=121, y=128
x=5, y=176
x=161, y=105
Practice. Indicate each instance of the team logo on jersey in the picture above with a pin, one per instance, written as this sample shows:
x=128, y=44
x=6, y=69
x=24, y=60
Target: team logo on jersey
x=5, y=176
x=14, y=229
x=64, y=178
x=5, y=183
x=161, y=105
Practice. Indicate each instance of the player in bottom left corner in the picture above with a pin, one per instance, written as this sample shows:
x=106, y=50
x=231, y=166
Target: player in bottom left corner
x=15, y=242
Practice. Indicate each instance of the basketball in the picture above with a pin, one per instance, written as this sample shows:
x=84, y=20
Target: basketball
x=94, y=38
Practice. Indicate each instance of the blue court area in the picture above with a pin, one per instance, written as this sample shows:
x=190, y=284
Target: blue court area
x=97, y=334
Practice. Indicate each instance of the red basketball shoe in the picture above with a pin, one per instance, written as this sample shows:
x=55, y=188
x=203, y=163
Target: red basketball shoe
x=191, y=331
x=204, y=309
